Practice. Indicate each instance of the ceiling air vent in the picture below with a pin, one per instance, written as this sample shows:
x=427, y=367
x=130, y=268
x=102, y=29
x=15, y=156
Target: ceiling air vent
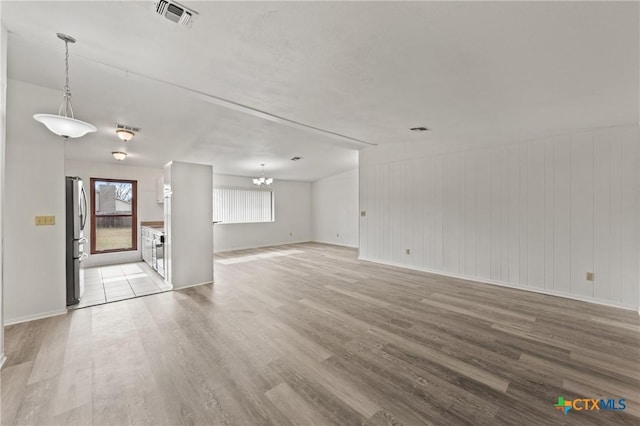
x=127, y=127
x=175, y=12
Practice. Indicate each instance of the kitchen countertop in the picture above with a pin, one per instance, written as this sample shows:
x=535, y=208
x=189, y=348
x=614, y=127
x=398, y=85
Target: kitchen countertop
x=155, y=225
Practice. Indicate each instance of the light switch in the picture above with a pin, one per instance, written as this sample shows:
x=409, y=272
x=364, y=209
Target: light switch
x=45, y=220
x=363, y=213
x=589, y=276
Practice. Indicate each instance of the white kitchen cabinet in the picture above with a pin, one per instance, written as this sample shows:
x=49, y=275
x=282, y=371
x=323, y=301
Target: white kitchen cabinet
x=160, y=189
x=147, y=240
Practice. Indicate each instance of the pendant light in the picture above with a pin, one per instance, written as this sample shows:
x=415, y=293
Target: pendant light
x=262, y=181
x=65, y=125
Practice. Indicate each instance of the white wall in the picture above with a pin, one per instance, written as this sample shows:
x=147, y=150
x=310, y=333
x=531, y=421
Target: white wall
x=3, y=116
x=34, y=262
x=148, y=207
x=189, y=216
x=292, y=214
x=334, y=202
x=535, y=215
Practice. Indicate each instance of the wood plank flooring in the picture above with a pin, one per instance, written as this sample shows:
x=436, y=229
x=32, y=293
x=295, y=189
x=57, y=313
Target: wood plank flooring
x=306, y=334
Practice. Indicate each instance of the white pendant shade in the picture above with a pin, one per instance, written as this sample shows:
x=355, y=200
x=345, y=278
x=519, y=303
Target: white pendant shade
x=65, y=126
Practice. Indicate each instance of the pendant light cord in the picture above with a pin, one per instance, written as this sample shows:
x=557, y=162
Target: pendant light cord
x=66, y=104
x=65, y=125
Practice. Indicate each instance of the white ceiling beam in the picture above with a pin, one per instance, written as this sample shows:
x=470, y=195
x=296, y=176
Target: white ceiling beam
x=347, y=141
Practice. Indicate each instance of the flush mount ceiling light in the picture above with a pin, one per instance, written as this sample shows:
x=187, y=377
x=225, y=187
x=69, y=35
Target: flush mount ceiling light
x=65, y=125
x=126, y=133
x=420, y=129
x=119, y=155
x=262, y=181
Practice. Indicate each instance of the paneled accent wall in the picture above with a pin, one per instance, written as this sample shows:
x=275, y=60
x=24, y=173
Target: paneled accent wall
x=536, y=215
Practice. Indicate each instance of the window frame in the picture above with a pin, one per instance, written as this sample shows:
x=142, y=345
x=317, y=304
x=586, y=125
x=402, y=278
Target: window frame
x=134, y=215
x=248, y=188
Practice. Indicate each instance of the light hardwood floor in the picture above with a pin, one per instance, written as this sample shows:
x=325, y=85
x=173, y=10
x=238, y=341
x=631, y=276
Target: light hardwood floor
x=308, y=335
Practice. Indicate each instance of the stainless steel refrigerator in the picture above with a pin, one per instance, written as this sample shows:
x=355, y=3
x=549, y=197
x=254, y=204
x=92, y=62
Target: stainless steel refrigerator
x=76, y=219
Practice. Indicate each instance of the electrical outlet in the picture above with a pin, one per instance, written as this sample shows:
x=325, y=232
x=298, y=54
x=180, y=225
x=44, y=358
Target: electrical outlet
x=363, y=213
x=589, y=276
x=407, y=251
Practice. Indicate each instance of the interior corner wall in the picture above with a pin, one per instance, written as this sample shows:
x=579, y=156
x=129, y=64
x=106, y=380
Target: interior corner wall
x=292, y=202
x=3, y=114
x=34, y=256
x=148, y=207
x=334, y=202
x=535, y=215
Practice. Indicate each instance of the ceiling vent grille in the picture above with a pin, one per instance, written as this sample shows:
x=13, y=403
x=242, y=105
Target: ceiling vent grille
x=175, y=12
x=127, y=127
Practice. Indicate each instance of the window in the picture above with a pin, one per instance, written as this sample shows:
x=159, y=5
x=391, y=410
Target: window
x=113, y=215
x=242, y=205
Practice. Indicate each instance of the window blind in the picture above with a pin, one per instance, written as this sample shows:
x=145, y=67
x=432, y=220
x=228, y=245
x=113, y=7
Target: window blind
x=242, y=205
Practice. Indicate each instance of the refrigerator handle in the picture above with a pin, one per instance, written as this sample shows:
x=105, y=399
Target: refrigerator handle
x=83, y=208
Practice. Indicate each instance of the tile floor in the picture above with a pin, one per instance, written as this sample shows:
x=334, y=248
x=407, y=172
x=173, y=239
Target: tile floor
x=111, y=283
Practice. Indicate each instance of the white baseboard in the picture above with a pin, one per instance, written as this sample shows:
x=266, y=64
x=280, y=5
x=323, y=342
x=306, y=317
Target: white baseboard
x=259, y=246
x=34, y=317
x=191, y=285
x=3, y=358
x=283, y=244
x=334, y=244
x=506, y=284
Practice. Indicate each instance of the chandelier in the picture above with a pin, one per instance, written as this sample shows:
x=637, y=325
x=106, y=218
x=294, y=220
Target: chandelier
x=65, y=125
x=262, y=181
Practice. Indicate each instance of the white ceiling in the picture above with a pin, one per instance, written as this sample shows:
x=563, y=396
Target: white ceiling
x=470, y=71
